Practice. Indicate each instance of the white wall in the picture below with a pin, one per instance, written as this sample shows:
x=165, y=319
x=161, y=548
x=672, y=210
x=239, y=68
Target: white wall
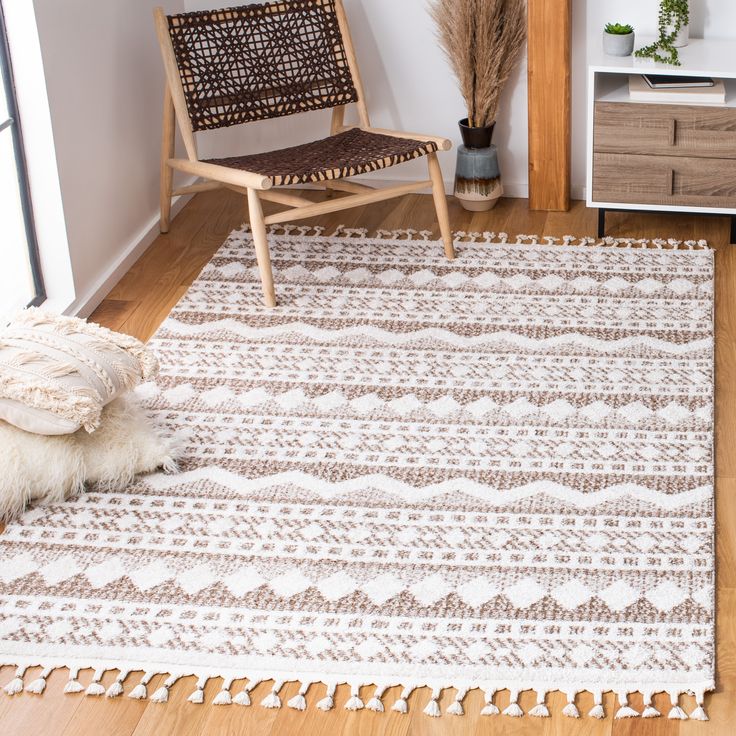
x=105, y=83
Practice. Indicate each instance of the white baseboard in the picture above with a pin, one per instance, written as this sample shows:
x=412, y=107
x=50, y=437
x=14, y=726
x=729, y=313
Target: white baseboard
x=512, y=189
x=85, y=304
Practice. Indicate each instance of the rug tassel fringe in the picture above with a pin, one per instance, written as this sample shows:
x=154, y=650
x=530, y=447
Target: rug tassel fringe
x=197, y=697
x=540, y=710
x=299, y=701
x=676, y=713
x=649, y=710
x=224, y=697
x=243, y=697
x=15, y=686
x=433, y=707
x=140, y=692
x=72, y=684
x=513, y=709
x=571, y=710
x=486, y=237
x=328, y=702
x=597, y=710
x=489, y=709
x=625, y=711
x=116, y=689
x=354, y=702
x=96, y=687
x=402, y=704
x=37, y=686
x=272, y=700
x=162, y=694
x=699, y=713
x=375, y=703
x=456, y=707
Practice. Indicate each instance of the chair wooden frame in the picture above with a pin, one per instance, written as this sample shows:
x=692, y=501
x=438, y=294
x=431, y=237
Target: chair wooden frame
x=257, y=187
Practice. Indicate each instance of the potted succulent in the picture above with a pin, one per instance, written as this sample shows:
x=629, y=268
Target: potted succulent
x=673, y=27
x=482, y=40
x=618, y=39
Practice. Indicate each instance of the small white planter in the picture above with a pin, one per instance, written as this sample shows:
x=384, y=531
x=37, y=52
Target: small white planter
x=616, y=44
x=682, y=38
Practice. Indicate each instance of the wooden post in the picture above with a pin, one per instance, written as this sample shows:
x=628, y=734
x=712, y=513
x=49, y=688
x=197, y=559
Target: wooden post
x=549, y=72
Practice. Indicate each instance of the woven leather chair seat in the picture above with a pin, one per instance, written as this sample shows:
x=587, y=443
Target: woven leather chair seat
x=346, y=154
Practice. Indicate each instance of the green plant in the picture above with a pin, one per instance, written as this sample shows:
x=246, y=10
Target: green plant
x=673, y=15
x=617, y=29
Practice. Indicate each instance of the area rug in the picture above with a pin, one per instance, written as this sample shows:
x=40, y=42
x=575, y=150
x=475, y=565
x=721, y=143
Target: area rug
x=493, y=473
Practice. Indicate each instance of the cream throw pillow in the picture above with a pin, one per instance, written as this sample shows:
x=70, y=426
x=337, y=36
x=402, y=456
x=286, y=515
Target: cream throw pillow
x=57, y=373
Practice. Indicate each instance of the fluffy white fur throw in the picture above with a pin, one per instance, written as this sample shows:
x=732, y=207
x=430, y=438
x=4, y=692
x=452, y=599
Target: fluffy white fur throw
x=52, y=468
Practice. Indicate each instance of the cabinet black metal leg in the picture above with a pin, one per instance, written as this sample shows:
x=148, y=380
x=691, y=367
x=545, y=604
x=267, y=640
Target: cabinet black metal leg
x=732, y=239
x=602, y=223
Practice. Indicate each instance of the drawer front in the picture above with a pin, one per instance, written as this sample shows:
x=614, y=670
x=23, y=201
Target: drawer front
x=675, y=180
x=672, y=130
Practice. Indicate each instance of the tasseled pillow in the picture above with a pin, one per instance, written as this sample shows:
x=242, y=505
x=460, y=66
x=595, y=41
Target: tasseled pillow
x=57, y=373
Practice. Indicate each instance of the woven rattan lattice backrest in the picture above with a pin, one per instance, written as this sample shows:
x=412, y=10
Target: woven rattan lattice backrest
x=260, y=61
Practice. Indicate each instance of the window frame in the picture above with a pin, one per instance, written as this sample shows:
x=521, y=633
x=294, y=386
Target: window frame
x=13, y=123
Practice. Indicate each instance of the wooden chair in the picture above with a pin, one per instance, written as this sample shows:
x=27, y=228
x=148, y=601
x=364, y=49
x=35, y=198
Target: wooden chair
x=232, y=66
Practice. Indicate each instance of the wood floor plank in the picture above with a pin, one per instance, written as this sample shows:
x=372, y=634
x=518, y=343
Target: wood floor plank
x=144, y=297
x=114, y=312
x=580, y=221
x=725, y=537
x=100, y=715
x=38, y=715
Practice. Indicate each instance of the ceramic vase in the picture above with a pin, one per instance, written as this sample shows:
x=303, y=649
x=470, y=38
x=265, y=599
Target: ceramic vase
x=477, y=176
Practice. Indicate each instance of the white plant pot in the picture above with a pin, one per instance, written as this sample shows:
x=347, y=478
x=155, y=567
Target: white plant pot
x=615, y=44
x=682, y=38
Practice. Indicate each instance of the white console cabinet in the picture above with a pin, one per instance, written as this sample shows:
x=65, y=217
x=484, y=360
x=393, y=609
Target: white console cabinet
x=662, y=156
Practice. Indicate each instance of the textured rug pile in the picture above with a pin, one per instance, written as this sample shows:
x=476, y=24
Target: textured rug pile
x=490, y=473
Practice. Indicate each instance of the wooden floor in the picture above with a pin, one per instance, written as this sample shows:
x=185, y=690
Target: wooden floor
x=143, y=298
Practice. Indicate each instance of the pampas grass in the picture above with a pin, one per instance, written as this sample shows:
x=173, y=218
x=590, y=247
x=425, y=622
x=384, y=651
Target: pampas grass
x=482, y=40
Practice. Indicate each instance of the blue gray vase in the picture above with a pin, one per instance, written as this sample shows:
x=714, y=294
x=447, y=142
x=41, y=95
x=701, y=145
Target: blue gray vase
x=477, y=176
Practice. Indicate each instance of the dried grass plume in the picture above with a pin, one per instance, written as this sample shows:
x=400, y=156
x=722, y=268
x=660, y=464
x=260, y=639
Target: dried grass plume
x=482, y=40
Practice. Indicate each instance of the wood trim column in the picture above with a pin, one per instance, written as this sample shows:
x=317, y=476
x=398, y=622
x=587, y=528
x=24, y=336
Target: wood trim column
x=549, y=73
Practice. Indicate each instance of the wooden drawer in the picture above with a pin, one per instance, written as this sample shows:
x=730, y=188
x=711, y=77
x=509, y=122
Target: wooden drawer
x=675, y=180
x=672, y=130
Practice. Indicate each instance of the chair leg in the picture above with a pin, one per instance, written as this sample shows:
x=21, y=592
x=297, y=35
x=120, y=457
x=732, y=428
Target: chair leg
x=260, y=239
x=440, y=203
x=167, y=152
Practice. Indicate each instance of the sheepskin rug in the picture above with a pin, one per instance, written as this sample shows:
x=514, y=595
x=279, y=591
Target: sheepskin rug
x=37, y=467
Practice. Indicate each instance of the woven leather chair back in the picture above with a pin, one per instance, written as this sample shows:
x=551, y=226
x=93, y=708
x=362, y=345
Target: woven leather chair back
x=260, y=61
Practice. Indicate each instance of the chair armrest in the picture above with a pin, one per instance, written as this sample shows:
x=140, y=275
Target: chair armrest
x=443, y=144
x=235, y=177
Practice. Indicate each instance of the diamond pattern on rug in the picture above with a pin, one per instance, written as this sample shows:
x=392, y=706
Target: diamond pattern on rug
x=495, y=472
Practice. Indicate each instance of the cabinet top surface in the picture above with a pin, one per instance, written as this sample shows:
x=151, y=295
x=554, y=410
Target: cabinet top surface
x=711, y=57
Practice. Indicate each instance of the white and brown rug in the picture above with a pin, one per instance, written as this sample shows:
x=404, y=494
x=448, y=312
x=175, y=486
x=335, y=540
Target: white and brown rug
x=489, y=473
